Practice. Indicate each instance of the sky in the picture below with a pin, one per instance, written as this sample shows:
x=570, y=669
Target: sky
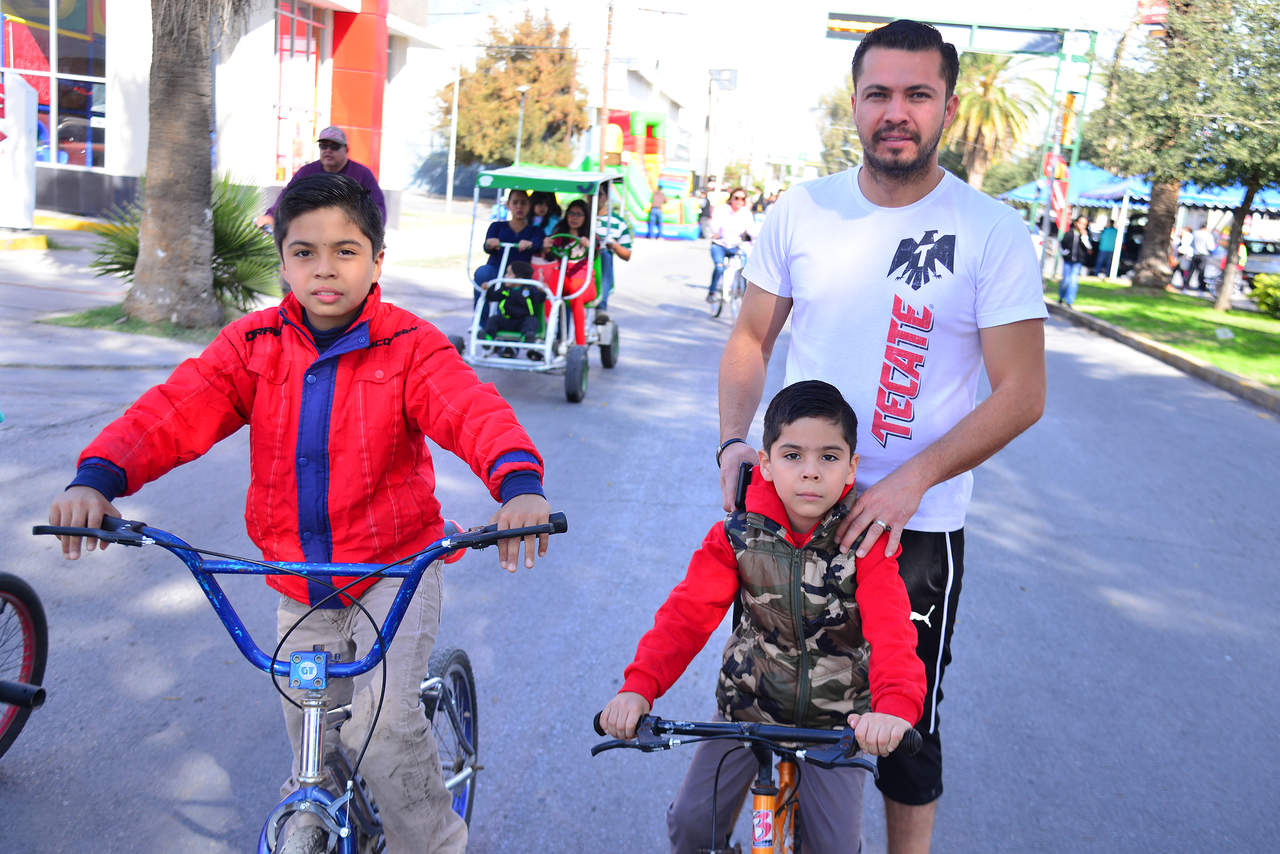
x=784, y=60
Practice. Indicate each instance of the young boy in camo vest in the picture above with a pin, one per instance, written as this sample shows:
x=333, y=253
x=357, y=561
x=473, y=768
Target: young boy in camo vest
x=821, y=640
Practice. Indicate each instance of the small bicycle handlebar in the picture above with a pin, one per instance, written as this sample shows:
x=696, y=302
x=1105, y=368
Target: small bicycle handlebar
x=835, y=748
x=409, y=569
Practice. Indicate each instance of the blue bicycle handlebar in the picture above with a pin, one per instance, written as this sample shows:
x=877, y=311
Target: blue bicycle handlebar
x=131, y=533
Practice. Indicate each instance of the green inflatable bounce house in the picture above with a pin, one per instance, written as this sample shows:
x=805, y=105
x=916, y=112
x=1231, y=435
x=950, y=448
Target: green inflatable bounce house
x=635, y=146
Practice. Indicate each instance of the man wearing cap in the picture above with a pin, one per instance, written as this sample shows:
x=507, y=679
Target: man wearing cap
x=333, y=158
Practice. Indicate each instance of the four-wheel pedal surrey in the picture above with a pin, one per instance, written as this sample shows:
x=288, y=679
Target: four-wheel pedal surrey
x=554, y=350
x=344, y=817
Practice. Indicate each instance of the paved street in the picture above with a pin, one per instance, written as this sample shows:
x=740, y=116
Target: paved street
x=1110, y=690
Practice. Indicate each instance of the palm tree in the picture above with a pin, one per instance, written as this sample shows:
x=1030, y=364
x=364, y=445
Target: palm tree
x=996, y=105
x=173, y=279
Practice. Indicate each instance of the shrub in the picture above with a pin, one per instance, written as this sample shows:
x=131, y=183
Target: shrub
x=245, y=262
x=1266, y=293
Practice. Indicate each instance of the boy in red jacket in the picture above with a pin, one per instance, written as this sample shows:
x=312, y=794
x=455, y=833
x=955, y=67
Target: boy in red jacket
x=821, y=639
x=339, y=390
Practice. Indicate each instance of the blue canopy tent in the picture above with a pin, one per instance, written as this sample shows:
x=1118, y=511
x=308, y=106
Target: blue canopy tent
x=1190, y=195
x=1084, y=177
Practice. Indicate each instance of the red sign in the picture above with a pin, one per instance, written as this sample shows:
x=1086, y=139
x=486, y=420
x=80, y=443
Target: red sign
x=1, y=97
x=1153, y=11
x=1055, y=169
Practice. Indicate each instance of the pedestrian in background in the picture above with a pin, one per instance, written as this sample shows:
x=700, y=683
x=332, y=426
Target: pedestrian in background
x=656, y=201
x=1106, y=249
x=1077, y=249
x=333, y=159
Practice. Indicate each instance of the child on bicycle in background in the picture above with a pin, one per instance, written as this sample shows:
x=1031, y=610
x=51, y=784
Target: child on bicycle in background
x=339, y=390
x=821, y=639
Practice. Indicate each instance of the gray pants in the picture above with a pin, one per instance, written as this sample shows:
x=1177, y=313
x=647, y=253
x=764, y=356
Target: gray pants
x=401, y=766
x=830, y=801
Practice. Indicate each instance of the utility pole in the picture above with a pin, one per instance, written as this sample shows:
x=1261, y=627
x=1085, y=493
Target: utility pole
x=523, y=90
x=453, y=139
x=604, y=86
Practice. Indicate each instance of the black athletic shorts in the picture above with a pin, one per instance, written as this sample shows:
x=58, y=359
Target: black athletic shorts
x=931, y=565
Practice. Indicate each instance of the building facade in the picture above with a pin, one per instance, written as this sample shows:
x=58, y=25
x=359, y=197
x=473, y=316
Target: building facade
x=285, y=71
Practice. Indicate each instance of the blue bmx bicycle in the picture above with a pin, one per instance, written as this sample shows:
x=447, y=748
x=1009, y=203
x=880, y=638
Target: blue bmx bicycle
x=339, y=811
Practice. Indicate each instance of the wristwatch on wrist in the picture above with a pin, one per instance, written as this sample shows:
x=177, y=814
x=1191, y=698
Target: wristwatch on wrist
x=726, y=443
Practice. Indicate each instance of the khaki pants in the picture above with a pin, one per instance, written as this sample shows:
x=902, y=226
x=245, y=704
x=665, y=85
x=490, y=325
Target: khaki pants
x=401, y=765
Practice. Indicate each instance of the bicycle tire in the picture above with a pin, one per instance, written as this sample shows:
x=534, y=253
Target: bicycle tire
x=24, y=648
x=305, y=840
x=716, y=305
x=453, y=667
x=736, y=292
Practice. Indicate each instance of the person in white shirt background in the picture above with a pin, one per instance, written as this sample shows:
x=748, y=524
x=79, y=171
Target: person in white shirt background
x=730, y=224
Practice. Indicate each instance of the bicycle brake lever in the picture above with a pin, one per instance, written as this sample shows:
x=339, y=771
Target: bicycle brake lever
x=839, y=755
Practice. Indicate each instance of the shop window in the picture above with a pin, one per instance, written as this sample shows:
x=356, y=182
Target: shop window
x=68, y=71
x=299, y=40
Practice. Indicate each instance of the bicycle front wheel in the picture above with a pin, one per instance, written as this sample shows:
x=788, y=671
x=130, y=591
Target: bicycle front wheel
x=736, y=291
x=454, y=724
x=305, y=840
x=24, y=646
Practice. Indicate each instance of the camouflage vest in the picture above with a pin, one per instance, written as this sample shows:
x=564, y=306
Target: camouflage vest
x=797, y=655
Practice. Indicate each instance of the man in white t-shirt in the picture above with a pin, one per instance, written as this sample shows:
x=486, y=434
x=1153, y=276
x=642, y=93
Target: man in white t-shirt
x=901, y=282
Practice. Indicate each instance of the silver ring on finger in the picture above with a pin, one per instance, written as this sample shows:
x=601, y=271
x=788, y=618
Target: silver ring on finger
x=883, y=524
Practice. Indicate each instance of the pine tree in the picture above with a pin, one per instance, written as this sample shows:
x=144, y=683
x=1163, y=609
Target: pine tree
x=531, y=53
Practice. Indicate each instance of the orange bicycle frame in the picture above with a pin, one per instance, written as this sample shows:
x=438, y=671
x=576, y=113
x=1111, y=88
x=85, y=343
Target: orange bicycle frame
x=773, y=829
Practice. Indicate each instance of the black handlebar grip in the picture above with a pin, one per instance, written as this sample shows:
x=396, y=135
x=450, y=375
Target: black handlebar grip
x=112, y=530
x=21, y=694
x=744, y=480
x=595, y=722
x=911, y=743
x=559, y=523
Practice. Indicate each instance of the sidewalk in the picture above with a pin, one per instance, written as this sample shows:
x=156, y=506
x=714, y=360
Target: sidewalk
x=430, y=246
x=1243, y=387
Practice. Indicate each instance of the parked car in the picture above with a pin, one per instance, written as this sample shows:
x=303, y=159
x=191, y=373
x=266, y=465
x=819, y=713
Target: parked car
x=1264, y=257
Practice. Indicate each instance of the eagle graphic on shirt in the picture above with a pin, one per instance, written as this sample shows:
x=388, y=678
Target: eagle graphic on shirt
x=920, y=260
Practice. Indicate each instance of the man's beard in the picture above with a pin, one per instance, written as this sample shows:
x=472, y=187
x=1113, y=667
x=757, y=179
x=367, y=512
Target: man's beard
x=898, y=171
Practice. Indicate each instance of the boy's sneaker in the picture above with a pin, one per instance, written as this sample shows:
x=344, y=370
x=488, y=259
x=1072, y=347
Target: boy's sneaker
x=713, y=296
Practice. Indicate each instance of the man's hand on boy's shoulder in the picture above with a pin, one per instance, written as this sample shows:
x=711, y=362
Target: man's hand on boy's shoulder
x=621, y=714
x=878, y=733
x=80, y=507
x=520, y=512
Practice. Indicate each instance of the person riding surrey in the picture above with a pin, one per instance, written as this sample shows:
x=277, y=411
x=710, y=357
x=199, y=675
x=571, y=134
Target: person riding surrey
x=546, y=210
x=515, y=306
x=573, y=237
x=843, y=651
x=340, y=391
x=518, y=230
x=614, y=237
x=730, y=226
x=900, y=283
x=333, y=160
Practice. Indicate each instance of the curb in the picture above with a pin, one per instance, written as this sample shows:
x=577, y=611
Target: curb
x=64, y=222
x=1251, y=390
x=30, y=241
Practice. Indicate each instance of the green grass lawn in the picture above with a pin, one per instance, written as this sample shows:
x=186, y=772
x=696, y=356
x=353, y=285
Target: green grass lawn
x=1188, y=324
x=113, y=317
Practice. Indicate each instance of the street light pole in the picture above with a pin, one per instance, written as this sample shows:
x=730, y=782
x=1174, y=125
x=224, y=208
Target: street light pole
x=523, y=90
x=453, y=139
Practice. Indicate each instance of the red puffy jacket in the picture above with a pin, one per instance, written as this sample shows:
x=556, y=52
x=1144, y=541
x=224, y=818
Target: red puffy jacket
x=340, y=469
